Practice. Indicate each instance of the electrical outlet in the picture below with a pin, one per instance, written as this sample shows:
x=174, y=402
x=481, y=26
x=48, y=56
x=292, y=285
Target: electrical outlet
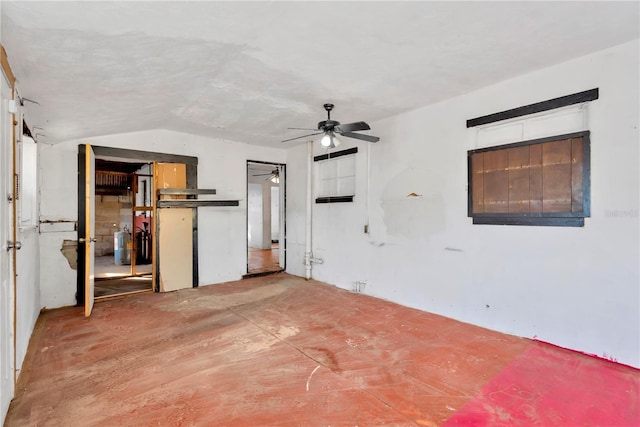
x=359, y=286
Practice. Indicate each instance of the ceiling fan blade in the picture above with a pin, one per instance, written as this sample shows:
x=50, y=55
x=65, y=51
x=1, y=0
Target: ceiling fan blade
x=360, y=136
x=301, y=129
x=350, y=127
x=303, y=136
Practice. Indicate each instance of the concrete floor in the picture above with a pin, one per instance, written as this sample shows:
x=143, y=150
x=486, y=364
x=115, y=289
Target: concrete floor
x=281, y=351
x=112, y=279
x=105, y=267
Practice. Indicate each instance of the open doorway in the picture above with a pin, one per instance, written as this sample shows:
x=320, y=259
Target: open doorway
x=266, y=229
x=143, y=208
x=123, y=227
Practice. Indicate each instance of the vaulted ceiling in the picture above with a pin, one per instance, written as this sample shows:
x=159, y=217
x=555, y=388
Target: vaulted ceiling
x=246, y=71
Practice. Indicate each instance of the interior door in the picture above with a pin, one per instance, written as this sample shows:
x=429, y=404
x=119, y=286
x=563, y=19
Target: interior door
x=7, y=344
x=174, y=231
x=89, y=238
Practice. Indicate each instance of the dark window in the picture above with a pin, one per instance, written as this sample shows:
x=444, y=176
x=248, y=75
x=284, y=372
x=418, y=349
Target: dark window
x=538, y=182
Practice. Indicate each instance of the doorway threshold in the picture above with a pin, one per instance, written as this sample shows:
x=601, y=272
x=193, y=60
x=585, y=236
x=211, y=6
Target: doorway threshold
x=123, y=295
x=262, y=273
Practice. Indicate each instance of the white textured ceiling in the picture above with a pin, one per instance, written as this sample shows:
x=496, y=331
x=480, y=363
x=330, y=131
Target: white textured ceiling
x=245, y=71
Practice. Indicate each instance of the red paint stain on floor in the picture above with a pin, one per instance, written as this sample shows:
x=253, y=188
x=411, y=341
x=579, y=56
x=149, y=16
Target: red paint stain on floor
x=548, y=386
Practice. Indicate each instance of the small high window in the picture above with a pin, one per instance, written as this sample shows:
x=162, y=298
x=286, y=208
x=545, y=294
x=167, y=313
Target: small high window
x=336, y=176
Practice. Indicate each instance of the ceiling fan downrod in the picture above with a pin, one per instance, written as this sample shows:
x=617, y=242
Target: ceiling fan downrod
x=328, y=107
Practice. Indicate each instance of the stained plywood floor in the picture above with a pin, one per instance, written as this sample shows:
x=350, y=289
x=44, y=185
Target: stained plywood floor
x=281, y=351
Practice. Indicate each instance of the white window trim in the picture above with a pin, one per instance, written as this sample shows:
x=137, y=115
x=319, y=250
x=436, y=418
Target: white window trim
x=344, y=174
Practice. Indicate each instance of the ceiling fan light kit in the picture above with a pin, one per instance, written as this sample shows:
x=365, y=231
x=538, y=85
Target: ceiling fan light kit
x=329, y=140
x=331, y=127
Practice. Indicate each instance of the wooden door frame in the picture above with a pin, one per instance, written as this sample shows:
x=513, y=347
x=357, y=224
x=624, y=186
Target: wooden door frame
x=89, y=221
x=145, y=156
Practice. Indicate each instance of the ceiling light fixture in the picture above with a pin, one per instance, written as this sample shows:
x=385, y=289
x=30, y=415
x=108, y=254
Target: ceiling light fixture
x=329, y=140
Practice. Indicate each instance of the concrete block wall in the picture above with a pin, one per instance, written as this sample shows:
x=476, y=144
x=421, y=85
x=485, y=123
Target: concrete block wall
x=113, y=213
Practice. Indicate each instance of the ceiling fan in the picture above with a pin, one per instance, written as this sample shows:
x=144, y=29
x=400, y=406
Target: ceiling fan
x=274, y=176
x=331, y=127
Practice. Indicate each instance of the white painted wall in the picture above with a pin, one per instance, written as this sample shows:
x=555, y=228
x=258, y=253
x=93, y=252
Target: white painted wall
x=254, y=212
x=574, y=287
x=222, y=230
x=275, y=212
x=266, y=216
x=58, y=201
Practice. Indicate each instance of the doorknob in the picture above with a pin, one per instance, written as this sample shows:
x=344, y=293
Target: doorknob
x=91, y=239
x=13, y=245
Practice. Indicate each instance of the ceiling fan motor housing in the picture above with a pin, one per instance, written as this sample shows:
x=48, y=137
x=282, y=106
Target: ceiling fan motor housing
x=327, y=125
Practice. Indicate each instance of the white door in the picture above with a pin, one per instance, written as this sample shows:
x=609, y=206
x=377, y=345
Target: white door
x=7, y=352
x=89, y=236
